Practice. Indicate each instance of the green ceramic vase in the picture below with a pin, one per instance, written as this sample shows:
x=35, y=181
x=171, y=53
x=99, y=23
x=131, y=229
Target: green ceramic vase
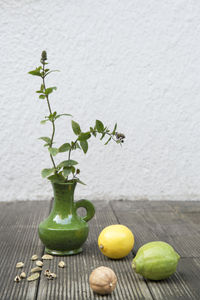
x=64, y=231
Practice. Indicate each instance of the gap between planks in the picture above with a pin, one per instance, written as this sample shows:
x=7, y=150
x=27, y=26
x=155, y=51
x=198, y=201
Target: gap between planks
x=43, y=252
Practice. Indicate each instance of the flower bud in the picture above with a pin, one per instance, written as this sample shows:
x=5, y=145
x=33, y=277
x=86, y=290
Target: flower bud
x=44, y=55
x=119, y=136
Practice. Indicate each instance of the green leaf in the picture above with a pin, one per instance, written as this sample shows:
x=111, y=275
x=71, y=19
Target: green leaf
x=67, y=171
x=115, y=127
x=50, y=90
x=76, y=128
x=99, y=126
x=79, y=181
x=84, y=146
x=73, y=145
x=73, y=169
x=51, y=117
x=51, y=72
x=46, y=139
x=84, y=136
x=42, y=97
x=43, y=121
x=108, y=141
x=57, y=178
x=58, y=116
x=77, y=145
x=36, y=72
x=94, y=133
x=47, y=172
x=67, y=163
x=69, y=115
x=65, y=147
x=103, y=134
x=53, y=151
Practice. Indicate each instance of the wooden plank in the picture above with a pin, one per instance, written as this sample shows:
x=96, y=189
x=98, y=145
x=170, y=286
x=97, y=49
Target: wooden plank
x=18, y=242
x=176, y=229
x=190, y=211
x=186, y=246
x=160, y=206
x=136, y=219
x=126, y=204
x=193, y=217
x=169, y=223
x=143, y=204
x=164, y=220
x=164, y=225
x=149, y=220
x=185, y=206
x=73, y=281
x=184, y=283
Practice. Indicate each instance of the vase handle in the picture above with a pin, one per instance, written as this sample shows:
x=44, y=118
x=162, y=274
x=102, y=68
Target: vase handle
x=88, y=206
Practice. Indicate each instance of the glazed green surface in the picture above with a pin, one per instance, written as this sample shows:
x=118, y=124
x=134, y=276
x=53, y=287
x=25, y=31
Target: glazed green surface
x=156, y=260
x=64, y=232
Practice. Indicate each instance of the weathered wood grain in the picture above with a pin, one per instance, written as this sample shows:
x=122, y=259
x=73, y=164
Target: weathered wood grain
x=73, y=281
x=175, y=222
x=18, y=242
x=167, y=223
x=190, y=211
x=184, y=284
x=135, y=218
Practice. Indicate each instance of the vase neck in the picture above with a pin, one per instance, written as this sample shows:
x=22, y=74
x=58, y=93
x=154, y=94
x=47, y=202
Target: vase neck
x=63, y=198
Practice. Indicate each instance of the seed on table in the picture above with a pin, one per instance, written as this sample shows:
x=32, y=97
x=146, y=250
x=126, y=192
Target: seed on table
x=47, y=272
x=17, y=279
x=22, y=275
x=36, y=269
x=34, y=257
x=33, y=277
x=39, y=263
x=19, y=265
x=61, y=264
x=47, y=256
x=51, y=276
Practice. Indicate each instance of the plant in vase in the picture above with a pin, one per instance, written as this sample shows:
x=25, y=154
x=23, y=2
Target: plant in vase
x=64, y=231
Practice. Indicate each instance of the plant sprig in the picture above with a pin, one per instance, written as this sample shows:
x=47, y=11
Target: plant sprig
x=61, y=172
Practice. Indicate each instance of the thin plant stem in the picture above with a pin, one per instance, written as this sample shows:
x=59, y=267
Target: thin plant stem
x=70, y=150
x=107, y=134
x=50, y=111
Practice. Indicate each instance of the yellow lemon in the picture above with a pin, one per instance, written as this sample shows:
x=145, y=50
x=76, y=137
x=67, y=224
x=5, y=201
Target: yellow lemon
x=116, y=241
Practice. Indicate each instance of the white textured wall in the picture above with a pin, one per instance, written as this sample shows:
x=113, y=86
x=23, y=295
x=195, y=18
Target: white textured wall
x=135, y=62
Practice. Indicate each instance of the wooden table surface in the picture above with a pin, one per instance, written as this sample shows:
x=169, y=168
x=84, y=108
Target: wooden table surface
x=175, y=222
